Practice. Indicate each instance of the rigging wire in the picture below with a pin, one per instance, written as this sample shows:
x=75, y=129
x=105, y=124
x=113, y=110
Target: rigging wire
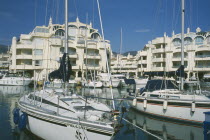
x=57, y=11
x=173, y=15
x=102, y=31
x=93, y=14
x=46, y=12
x=142, y=129
x=75, y=6
x=35, y=6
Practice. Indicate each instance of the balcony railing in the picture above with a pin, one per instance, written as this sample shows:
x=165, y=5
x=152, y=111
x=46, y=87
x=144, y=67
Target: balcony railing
x=92, y=65
x=206, y=66
x=202, y=56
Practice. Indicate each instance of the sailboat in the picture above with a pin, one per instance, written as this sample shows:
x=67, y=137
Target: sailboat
x=14, y=79
x=59, y=114
x=164, y=99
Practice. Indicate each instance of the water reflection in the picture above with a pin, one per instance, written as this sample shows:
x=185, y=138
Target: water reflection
x=9, y=95
x=168, y=130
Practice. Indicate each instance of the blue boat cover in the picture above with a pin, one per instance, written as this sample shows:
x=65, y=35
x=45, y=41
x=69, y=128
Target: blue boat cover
x=153, y=85
x=130, y=81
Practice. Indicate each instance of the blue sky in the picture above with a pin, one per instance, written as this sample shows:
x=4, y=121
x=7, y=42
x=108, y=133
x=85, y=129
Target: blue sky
x=141, y=20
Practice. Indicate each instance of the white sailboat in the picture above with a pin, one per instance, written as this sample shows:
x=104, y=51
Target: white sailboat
x=13, y=79
x=58, y=114
x=162, y=98
x=105, y=79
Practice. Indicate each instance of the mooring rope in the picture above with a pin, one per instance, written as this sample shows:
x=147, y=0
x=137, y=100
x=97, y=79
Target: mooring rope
x=142, y=129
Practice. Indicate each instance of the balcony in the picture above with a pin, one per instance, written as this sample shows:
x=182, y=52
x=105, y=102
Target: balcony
x=24, y=46
x=92, y=46
x=203, y=48
x=75, y=67
x=130, y=67
x=190, y=48
x=161, y=50
x=92, y=67
x=202, y=68
x=158, y=41
x=158, y=60
x=73, y=55
x=142, y=62
x=202, y=57
x=56, y=42
x=92, y=56
x=178, y=58
x=25, y=67
x=158, y=68
x=23, y=56
x=25, y=36
x=143, y=53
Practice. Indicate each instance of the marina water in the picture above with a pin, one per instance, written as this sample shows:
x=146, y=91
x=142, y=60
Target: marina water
x=135, y=123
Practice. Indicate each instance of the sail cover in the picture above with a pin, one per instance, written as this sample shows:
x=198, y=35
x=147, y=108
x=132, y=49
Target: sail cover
x=64, y=71
x=157, y=84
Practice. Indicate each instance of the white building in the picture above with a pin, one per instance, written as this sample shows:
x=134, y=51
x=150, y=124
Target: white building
x=124, y=64
x=164, y=54
x=39, y=51
x=4, y=61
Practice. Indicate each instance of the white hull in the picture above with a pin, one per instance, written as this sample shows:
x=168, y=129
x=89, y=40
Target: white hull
x=114, y=83
x=13, y=89
x=51, y=131
x=141, y=82
x=93, y=84
x=15, y=81
x=72, y=83
x=165, y=128
x=50, y=122
x=181, y=110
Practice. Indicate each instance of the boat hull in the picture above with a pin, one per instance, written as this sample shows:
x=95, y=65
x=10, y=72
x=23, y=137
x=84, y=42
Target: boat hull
x=115, y=84
x=51, y=126
x=179, y=111
x=15, y=82
x=53, y=131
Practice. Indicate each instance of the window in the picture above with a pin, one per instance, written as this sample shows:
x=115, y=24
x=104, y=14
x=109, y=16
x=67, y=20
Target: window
x=199, y=40
x=177, y=42
x=38, y=62
x=38, y=52
x=59, y=32
x=83, y=30
x=56, y=27
x=72, y=30
x=187, y=41
x=95, y=36
x=41, y=30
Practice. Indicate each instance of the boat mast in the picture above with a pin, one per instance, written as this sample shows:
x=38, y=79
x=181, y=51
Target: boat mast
x=182, y=43
x=109, y=74
x=120, y=49
x=66, y=41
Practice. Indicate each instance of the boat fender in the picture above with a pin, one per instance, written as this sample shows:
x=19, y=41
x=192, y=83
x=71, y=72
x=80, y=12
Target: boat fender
x=145, y=103
x=16, y=114
x=165, y=104
x=134, y=102
x=22, y=121
x=193, y=107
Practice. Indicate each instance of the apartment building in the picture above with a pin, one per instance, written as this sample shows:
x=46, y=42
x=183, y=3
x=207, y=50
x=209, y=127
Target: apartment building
x=164, y=54
x=39, y=52
x=124, y=64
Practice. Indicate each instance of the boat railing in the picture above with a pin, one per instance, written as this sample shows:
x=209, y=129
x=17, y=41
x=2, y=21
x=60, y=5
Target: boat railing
x=178, y=100
x=49, y=113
